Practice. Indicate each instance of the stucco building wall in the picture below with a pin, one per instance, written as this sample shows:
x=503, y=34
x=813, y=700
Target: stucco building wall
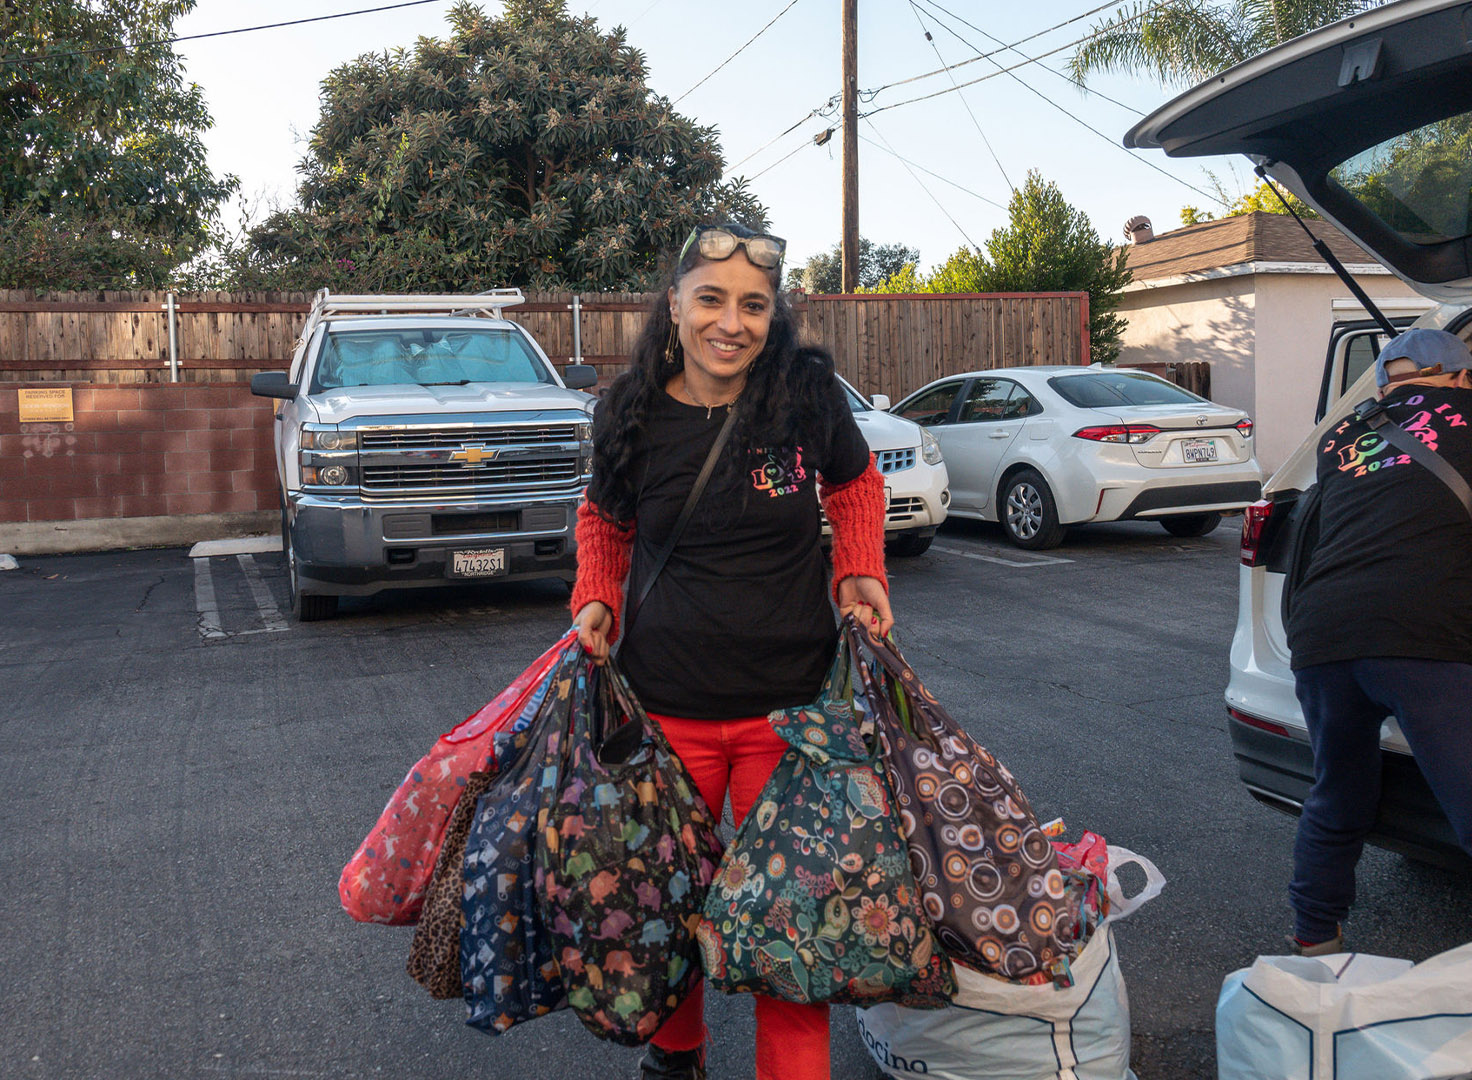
x=1265, y=335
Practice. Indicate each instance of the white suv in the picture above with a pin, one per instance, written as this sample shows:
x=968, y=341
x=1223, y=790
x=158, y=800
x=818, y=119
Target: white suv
x=1369, y=121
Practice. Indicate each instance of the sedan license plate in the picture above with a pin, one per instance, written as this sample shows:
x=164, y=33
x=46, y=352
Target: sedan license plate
x=888, y=495
x=1198, y=451
x=485, y=562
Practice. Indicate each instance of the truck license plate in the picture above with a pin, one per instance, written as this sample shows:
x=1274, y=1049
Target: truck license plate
x=485, y=562
x=1197, y=451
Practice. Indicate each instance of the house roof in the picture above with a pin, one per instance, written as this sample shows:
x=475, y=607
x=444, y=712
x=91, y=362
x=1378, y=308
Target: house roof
x=1234, y=241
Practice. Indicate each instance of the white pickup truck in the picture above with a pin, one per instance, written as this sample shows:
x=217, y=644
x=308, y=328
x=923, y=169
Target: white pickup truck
x=424, y=440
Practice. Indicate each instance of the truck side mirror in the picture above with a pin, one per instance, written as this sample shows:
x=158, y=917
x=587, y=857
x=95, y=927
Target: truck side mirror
x=880, y=402
x=579, y=376
x=272, y=384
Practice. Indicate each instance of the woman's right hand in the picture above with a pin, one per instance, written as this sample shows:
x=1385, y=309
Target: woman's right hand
x=594, y=623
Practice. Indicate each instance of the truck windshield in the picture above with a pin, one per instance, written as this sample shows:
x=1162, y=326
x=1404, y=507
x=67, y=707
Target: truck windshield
x=1103, y=390
x=427, y=356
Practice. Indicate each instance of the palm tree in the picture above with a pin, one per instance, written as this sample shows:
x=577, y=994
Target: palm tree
x=1189, y=40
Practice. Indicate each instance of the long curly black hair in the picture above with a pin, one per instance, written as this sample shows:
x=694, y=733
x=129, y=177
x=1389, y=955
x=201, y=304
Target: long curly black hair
x=787, y=399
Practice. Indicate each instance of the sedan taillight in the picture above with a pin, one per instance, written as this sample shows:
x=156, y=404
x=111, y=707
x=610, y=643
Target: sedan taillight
x=1118, y=433
x=1245, y=427
x=1254, y=523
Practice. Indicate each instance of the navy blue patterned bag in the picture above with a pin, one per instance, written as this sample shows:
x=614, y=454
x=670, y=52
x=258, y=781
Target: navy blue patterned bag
x=507, y=957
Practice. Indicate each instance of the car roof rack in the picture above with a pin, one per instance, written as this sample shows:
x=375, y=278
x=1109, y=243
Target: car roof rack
x=326, y=306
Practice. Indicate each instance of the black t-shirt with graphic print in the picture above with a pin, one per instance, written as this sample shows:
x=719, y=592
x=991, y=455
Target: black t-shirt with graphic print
x=739, y=622
x=1391, y=574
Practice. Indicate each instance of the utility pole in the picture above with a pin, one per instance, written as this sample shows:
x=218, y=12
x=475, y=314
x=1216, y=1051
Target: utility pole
x=850, y=145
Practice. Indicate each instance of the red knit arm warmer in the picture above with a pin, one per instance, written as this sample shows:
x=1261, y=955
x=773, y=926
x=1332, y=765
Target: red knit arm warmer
x=856, y=512
x=604, y=553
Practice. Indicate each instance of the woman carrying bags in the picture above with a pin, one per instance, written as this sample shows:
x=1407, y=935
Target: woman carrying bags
x=732, y=620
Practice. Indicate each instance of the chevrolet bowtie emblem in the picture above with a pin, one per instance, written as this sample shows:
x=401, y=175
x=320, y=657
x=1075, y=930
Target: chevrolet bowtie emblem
x=474, y=454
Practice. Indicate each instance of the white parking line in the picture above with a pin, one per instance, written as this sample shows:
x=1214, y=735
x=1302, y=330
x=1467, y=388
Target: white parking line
x=1032, y=560
x=270, y=613
x=204, y=601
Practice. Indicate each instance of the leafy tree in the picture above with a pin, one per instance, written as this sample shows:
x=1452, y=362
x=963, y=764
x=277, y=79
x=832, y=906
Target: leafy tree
x=1420, y=184
x=823, y=273
x=525, y=149
x=1190, y=40
x=1261, y=199
x=1046, y=246
x=100, y=144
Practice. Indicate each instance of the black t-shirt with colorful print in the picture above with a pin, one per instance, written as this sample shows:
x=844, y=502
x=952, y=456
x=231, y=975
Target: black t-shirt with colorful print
x=739, y=622
x=1391, y=574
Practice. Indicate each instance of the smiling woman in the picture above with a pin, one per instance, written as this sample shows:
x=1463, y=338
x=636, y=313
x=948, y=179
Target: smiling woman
x=739, y=622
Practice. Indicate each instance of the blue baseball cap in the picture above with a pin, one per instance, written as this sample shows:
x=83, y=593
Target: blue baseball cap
x=1424, y=348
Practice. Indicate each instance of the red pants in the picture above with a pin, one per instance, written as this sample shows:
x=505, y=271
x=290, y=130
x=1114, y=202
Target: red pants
x=739, y=755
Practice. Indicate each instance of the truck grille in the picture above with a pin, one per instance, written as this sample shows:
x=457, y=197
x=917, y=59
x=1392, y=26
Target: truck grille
x=894, y=460
x=454, y=438
x=420, y=462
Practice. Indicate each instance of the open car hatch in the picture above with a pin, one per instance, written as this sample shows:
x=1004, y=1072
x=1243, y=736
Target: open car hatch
x=1368, y=120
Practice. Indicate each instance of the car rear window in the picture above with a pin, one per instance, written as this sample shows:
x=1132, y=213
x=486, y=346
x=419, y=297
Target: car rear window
x=1105, y=389
x=427, y=356
x=1419, y=183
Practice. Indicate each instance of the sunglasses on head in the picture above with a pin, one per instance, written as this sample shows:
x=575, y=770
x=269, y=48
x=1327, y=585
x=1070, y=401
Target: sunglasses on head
x=716, y=243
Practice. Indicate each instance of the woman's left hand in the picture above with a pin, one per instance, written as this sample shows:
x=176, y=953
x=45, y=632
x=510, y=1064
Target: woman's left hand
x=866, y=600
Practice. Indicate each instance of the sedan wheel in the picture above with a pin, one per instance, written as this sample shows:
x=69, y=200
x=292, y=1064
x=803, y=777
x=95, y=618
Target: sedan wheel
x=1191, y=524
x=1029, y=514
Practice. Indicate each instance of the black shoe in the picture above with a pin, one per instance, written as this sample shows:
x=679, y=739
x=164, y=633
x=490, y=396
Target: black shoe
x=661, y=1064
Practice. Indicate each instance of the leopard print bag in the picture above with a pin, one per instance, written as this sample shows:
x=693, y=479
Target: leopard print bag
x=434, y=955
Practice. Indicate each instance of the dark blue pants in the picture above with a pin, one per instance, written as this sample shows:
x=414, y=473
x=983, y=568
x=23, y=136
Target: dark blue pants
x=1344, y=704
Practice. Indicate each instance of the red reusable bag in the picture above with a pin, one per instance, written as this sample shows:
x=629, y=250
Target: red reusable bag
x=385, y=880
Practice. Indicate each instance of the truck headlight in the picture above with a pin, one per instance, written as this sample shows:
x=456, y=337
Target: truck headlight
x=328, y=438
x=929, y=448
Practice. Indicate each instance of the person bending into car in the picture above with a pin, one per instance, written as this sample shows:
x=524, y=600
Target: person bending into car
x=1381, y=623
x=739, y=622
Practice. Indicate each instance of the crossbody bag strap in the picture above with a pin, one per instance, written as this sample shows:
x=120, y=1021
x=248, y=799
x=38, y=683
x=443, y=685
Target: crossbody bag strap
x=1373, y=413
x=686, y=512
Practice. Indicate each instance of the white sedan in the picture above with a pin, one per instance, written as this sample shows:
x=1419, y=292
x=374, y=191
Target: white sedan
x=1043, y=448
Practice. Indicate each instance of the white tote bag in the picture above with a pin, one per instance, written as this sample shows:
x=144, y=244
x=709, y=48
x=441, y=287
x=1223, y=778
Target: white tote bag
x=1000, y=1031
x=1347, y=1017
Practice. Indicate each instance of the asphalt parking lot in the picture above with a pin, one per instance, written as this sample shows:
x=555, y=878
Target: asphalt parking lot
x=186, y=772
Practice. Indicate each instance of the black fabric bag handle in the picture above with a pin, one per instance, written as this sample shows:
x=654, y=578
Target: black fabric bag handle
x=1373, y=412
x=686, y=512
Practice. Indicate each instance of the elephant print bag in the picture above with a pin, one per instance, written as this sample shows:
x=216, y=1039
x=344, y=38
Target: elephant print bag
x=626, y=853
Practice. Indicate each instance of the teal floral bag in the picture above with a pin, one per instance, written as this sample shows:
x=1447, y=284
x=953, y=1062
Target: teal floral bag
x=814, y=900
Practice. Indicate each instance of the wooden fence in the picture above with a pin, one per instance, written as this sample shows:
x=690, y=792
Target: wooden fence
x=882, y=344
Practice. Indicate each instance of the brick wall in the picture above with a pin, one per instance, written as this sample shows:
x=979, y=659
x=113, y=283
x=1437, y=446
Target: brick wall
x=146, y=450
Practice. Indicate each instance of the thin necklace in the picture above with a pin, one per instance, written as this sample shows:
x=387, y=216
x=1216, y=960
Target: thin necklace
x=708, y=408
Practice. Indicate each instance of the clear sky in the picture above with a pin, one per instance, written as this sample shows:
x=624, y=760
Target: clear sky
x=262, y=90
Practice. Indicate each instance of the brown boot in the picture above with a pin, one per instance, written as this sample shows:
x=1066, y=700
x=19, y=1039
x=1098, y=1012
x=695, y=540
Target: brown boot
x=1323, y=948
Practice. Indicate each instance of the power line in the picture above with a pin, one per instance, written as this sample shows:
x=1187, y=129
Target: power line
x=826, y=109
x=1012, y=48
x=893, y=153
x=985, y=141
x=917, y=180
x=737, y=53
x=1073, y=116
x=779, y=161
x=1003, y=71
x=38, y=57
x=1020, y=41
